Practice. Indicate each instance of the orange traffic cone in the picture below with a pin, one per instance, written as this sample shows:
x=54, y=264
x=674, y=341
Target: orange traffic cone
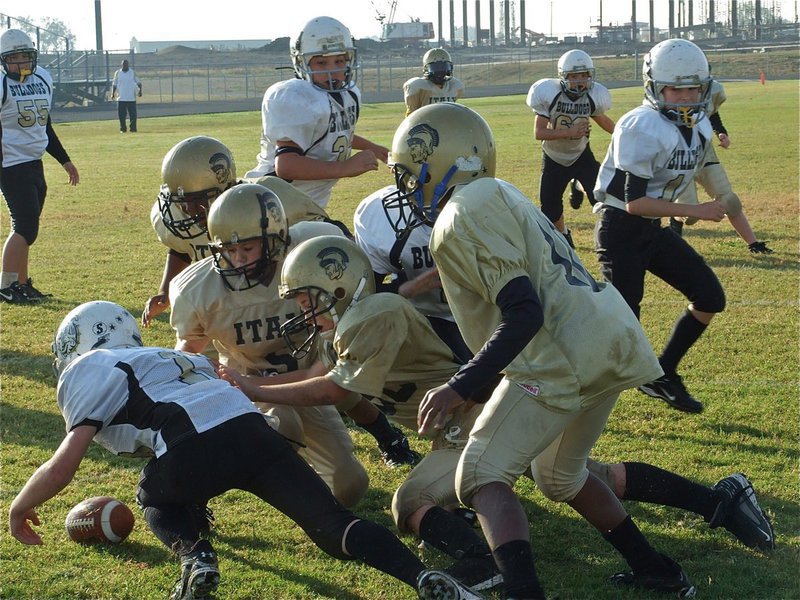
x=762, y=77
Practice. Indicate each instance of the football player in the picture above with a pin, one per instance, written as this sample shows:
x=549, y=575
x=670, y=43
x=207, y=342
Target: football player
x=382, y=348
x=654, y=154
x=521, y=297
x=402, y=263
x=194, y=173
x=204, y=438
x=231, y=300
x=26, y=133
x=715, y=182
x=437, y=83
x=308, y=123
x=563, y=108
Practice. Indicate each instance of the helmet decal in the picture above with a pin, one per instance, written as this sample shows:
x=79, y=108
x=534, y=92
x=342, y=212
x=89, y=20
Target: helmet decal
x=221, y=165
x=68, y=341
x=422, y=139
x=333, y=261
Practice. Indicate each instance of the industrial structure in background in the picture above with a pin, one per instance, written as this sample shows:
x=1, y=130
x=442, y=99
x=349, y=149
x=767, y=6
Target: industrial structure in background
x=83, y=77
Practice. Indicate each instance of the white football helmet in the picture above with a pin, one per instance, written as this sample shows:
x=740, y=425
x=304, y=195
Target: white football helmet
x=325, y=36
x=335, y=273
x=435, y=148
x=247, y=212
x=575, y=61
x=90, y=326
x=16, y=41
x=681, y=64
x=437, y=66
x=194, y=172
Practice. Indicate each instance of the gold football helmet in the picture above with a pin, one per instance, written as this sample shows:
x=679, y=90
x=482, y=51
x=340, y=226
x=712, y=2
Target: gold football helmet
x=245, y=213
x=334, y=273
x=194, y=172
x=436, y=148
x=437, y=66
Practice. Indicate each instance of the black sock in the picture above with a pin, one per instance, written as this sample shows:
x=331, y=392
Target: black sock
x=175, y=526
x=380, y=429
x=380, y=549
x=515, y=562
x=634, y=548
x=647, y=483
x=451, y=534
x=686, y=332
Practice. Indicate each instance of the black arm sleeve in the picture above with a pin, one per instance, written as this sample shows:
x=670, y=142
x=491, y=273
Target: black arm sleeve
x=716, y=124
x=54, y=147
x=635, y=187
x=522, y=317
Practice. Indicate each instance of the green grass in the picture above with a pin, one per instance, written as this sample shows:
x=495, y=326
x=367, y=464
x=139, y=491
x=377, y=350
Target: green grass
x=96, y=243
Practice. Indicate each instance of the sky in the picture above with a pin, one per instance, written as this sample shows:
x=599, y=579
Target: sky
x=151, y=20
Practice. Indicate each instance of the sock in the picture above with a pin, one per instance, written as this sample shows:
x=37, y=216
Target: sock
x=380, y=549
x=634, y=548
x=647, y=483
x=6, y=279
x=381, y=429
x=686, y=332
x=515, y=562
x=451, y=534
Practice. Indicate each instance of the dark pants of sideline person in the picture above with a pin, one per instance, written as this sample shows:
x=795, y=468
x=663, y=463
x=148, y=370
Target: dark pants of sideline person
x=126, y=108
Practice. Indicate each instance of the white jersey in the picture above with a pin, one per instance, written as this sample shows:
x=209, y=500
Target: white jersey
x=127, y=84
x=716, y=96
x=322, y=124
x=23, y=117
x=547, y=99
x=376, y=237
x=648, y=145
x=142, y=404
x=421, y=91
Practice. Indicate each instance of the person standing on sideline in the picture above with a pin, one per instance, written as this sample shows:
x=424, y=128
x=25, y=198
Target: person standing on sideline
x=309, y=123
x=655, y=153
x=563, y=108
x=437, y=83
x=125, y=88
x=26, y=133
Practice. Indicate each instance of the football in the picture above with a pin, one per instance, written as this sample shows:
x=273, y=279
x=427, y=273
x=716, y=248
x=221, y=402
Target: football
x=99, y=520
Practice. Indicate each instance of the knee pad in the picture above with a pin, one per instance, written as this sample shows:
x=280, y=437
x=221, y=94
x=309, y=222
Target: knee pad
x=712, y=300
x=732, y=204
x=603, y=472
x=29, y=231
x=557, y=488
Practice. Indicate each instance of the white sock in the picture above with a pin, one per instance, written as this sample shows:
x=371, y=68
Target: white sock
x=6, y=279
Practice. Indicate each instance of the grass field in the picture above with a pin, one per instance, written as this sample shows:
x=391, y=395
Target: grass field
x=96, y=243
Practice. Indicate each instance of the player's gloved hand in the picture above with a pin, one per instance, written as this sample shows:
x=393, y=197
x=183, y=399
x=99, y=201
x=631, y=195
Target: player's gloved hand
x=760, y=248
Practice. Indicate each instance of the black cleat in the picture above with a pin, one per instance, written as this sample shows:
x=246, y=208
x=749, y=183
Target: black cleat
x=32, y=293
x=575, y=194
x=396, y=452
x=671, y=390
x=199, y=574
x=740, y=513
x=676, y=226
x=16, y=294
x=673, y=579
x=438, y=585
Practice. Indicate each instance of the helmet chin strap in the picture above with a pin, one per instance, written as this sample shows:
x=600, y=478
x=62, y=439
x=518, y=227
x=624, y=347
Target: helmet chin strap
x=440, y=190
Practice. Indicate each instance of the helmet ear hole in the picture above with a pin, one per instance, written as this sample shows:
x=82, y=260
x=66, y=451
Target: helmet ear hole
x=340, y=293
